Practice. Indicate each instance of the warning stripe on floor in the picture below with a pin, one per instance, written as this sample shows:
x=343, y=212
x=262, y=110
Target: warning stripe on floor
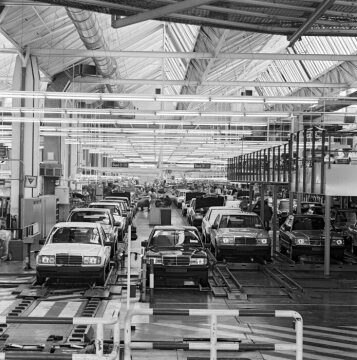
x=56, y=309
x=5, y=306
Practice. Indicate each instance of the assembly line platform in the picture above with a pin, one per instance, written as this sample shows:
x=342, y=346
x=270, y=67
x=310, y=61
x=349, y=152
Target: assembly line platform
x=328, y=307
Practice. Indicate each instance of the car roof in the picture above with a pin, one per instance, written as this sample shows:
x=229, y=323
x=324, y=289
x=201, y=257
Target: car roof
x=90, y=210
x=245, y=213
x=102, y=203
x=308, y=215
x=77, y=224
x=174, y=227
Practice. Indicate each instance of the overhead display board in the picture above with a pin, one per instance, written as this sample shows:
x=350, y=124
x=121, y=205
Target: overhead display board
x=118, y=164
x=201, y=166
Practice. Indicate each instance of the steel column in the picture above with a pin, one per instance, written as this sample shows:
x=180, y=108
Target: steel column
x=327, y=235
x=304, y=163
x=313, y=160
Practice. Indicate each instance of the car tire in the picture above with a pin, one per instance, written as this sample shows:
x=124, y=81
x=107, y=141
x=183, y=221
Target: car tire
x=217, y=254
x=40, y=279
x=103, y=276
x=293, y=255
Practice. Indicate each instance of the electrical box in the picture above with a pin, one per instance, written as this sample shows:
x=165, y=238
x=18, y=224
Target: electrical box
x=62, y=194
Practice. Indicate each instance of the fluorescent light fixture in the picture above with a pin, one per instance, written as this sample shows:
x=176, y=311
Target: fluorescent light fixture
x=291, y=100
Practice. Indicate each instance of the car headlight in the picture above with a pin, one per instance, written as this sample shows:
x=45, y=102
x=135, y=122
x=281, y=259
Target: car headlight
x=337, y=242
x=47, y=259
x=91, y=260
x=156, y=260
x=302, y=241
x=198, y=261
x=262, y=241
x=226, y=240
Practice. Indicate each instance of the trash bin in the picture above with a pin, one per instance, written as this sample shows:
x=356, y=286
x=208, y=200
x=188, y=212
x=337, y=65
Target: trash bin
x=166, y=216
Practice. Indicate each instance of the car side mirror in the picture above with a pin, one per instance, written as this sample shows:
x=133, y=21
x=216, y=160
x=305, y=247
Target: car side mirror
x=144, y=243
x=214, y=227
x=117, y=223
x=42, y=241
x=107, y=243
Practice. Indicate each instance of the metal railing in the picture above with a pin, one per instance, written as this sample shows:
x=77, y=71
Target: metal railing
x=213, y=345
x=99, y=341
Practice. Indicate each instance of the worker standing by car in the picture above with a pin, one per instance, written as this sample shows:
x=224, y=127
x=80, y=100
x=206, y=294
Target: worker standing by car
x=153, y=197
x=268, y=213
x=5, y=237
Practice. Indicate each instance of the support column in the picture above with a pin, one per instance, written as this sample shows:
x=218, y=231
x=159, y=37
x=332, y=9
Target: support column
x=25, y=136
x=327, y=235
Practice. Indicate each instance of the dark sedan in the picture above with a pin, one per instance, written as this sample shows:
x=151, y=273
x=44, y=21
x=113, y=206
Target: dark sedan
x=303, y=234
x=178, y=254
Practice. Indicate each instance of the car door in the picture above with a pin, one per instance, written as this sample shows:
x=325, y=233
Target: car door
x=214, y=231
x=205, y=223
x=285, y=232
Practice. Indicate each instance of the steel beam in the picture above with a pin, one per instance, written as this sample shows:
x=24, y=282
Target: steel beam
x=320, y=10
x=53, y=52
x=99, y=80
x=157, y=13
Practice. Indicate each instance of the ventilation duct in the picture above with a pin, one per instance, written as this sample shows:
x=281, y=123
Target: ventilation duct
x=90, y=33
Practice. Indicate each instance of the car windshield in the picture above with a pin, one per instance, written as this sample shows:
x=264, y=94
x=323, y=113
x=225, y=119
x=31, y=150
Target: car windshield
x=347, y=217
x=284, y=205
x=308, y=223
x=173, y=238
x=240, y=221
x=310, y=208
x=90, y=216
x=70, y=235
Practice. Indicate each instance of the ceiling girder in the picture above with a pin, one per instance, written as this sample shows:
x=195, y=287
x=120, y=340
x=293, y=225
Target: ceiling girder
x=320, y=10
x=53, y=52
x=118, y=22
x=98, y=80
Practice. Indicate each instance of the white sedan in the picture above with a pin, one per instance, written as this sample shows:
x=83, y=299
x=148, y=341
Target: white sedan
x=74, y=250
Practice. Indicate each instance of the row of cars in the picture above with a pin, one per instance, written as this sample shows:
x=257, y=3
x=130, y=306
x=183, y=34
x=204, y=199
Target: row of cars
x=84, y=245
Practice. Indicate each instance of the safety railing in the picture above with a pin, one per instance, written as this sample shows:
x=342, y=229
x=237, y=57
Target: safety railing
x=99, y=341
x=213, y=345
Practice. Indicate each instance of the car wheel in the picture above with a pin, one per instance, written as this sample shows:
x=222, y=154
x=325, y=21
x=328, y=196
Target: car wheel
x=102, y=277
x=354, y=249
x=203, y=282
x=217, y=254
x=283, y=249
x=40, y=279
x=293, y=255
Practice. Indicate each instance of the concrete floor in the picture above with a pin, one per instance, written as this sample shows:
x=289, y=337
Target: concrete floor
x=329, y=313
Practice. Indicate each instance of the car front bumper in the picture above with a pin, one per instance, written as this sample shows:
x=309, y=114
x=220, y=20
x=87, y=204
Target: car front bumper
x=244, y=250
x=66, y=272
x=180, y=274
x=335, y=251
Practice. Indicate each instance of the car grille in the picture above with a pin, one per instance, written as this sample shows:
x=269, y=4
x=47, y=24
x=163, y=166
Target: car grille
x=65, y=259
x=317, y=241
x=176, y=260
x=245, y=241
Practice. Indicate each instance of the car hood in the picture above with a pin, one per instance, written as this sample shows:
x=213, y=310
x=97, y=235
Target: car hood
x=248, y=232
x=71, y=249
x=177, y=252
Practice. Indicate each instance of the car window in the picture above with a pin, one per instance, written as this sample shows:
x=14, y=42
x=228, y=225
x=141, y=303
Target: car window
x=90, y=216
x=172, y=238
x=240, y=221
x=75, y=235
x=216, y=221
x=308, y=223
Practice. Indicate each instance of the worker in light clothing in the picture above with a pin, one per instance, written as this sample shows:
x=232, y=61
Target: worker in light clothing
x=5, y=237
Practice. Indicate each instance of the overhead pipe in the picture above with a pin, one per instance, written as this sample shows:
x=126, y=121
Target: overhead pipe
x=91, y=34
